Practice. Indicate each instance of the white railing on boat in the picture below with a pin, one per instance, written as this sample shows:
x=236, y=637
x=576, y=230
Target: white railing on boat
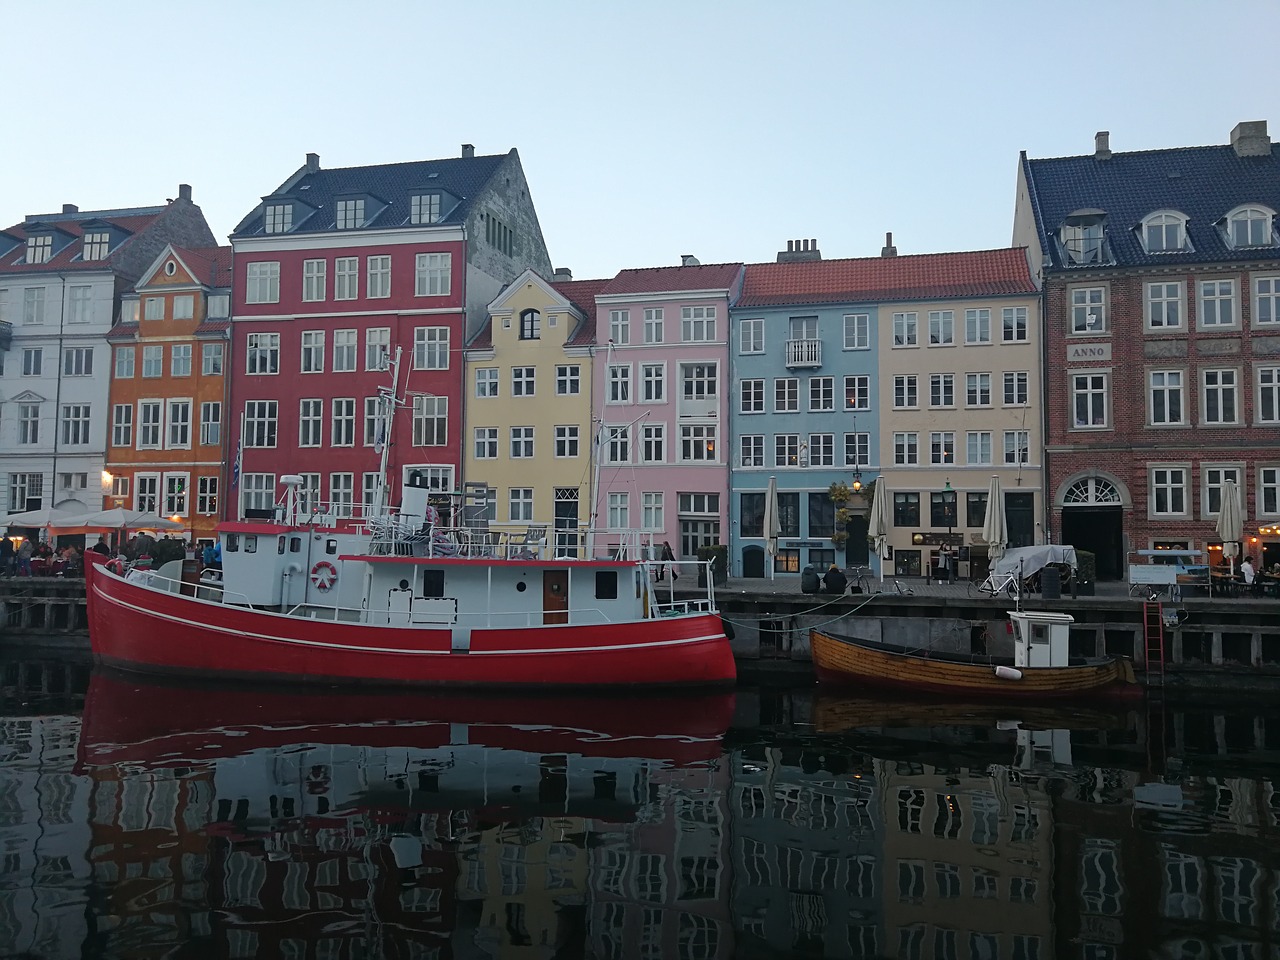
x=393, y=535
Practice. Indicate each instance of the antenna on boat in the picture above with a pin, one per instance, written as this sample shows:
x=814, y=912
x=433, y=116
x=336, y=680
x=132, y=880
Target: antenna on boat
x=388, y=402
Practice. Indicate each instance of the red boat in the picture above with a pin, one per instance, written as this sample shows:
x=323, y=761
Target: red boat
x=620, y=635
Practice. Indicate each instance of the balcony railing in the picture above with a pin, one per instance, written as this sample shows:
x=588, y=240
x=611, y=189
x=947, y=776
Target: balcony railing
x=804, y=353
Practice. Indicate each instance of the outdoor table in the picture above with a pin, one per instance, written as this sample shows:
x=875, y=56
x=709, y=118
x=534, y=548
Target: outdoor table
x=1225, y=584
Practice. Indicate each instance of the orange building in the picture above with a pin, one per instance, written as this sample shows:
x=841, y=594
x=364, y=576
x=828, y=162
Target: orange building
x=166, y=449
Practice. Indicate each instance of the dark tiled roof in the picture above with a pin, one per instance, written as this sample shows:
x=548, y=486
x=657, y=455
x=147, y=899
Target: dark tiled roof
x=1204, y=183
x=930, y=276
x=712, y=276
x=582, y=294
x=124, y=331
x=390, y=183
x=132, y=222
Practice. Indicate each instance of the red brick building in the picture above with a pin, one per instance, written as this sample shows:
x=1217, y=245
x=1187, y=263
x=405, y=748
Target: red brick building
x=1161, y=276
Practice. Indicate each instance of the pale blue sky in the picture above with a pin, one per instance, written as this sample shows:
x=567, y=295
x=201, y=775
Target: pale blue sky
x=647, y=129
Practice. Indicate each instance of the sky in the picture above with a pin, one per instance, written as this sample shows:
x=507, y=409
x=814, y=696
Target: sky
x=647, y=130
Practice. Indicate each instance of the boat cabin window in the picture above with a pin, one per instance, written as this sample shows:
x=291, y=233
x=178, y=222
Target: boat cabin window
x=606, y=584
x=433, y=583
x=331, y=547
x=295, y=544
x=233, y=543
x=250, y=543
x=280, y=544
x=1039, y=633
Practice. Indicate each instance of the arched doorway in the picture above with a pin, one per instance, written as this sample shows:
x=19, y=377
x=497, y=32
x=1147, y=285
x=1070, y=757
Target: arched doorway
x=753, y=562
x=1093, y=520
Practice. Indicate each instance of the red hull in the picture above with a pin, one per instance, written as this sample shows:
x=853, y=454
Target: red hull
x=135, y=627
x=187, y=723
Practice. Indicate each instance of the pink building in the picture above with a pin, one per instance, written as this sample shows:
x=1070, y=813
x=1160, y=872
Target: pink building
x=660, y=402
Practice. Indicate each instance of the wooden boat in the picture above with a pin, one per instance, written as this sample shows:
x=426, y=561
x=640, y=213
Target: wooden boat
x=1040, y=668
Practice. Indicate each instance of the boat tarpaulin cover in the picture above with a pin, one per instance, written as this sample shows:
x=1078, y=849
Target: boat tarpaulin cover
x=1024, y=561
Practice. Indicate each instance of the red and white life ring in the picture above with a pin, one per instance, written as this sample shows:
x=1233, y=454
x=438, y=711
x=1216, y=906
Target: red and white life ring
x=324, y=575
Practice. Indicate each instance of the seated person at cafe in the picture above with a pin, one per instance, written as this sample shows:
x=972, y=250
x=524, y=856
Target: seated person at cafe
x=1246, y=570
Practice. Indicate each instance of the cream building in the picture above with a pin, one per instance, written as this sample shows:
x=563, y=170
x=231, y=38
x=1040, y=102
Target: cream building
x=959, y=396
x=528, y=433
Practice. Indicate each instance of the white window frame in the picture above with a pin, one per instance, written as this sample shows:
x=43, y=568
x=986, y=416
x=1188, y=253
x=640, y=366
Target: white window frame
x=751, y=450
x=150, y=424
x=125, y=361
x=377, y=281
x=184, y=307
x=1164, y=304
x=342, y=421
x=1087, y=302
x=1091, y=390
x=346, y=278
x=178, y=423
x=617, y=383
x=211, y=355
x=652, y=511
x=906, y=330
x=486, y=382
x=431, y=347
x=153, y=308
x=180, y=360
x=262, y=282
x=314, y=280
x=153, y=361
x=1017, y=446
x=524, y=381
x=906, y=449
x=977, y=390
x=1218, y=296
x=521, y=443
x=430, y=421
x=1015, y=321
x=653, y=443
x=1259, y=229
x=619, y=510
x=485, y=443
x=211, y=423
x=942, y=328
x=822, y=394
x=568, y=380
x=1219, y=382
x=857, y=449
x=277, y=218
x=568, y=441
x=312, y=347
x=977, y=326
x=1213, y=476
x=1163, y=386
x=377, y=348
x=1017, y=383
x=857, y=392
x=942, y=448
x=433, y=275
x=857, y=331
x=1158, y=228
x=1266, y=300
x=520, y=504
x=978, y=449
x=786, y=449
x=261, y=420
x=310, y=422
x=349, y=214
x=1268, y=490
x=906, y=392
x=751, y=336
x=942, y=390
x=653, y=383
x=346, y=343
x=122, y=425
x=699, y=443
x=80, y=303
x=698, y=324
x=1169, y=481
x=1267, y=406
x=620, y=327
x=654, y=322
x=786, y=395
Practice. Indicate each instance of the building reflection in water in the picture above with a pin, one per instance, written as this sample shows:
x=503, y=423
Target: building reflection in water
x=173, y=821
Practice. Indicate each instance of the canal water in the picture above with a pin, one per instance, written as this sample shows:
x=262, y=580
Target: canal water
x=140, y=819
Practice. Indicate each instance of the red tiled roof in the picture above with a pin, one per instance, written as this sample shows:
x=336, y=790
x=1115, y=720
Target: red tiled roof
x=930, y=276
x=582, y=294
x=211, y=265
x=712, y=276
x=67, y=257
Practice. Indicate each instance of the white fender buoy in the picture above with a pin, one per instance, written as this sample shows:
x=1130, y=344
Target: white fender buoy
x=1008, y=673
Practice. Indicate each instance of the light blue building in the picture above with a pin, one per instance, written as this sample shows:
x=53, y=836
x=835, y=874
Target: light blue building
x=804, y=372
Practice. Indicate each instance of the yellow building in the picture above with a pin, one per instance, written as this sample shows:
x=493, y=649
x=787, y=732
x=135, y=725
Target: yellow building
x=528, y=433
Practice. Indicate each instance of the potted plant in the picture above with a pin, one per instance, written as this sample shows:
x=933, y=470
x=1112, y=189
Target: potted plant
x=839, y=492
x=718, y=554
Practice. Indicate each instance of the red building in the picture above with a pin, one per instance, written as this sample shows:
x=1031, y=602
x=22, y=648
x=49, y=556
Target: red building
x=338, y=272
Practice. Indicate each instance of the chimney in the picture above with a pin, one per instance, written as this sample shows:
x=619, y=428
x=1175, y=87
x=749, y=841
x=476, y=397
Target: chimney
x=1249, y=139
x=468, y=151
x=1102, y=145
x=184, y=192
x=313, y=163
x=562, y=275
x=70, y=208
x=888, y=250
x=689, y=260
x=798, y=250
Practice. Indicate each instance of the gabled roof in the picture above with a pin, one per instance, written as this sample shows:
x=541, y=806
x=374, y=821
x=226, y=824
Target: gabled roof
x=580, y=293
x=711, y=276
x=130, y=222
x=929, y=276
x=1205, y=183
x=394, y=183
x=211, y=266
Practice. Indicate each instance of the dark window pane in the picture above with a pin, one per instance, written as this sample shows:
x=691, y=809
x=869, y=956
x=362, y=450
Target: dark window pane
x=752, y=522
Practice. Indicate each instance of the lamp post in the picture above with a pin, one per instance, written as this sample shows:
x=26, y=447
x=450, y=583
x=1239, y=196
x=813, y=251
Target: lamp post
x=949, y=508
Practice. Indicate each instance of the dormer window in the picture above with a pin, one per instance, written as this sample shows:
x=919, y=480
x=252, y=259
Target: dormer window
x=39, y=249
x=425, y=208
x=96, y=246
x=1164, y=232
x=1083, y=237
x=1250, y=227
x=279, y=218
x=350, y=214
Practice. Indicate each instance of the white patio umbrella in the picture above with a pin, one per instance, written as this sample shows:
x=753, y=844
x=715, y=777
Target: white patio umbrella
x=118, y=518
x=1230, y=523
x=995, y=528
x=44, y=517
x=878, y=523
x=772, y=525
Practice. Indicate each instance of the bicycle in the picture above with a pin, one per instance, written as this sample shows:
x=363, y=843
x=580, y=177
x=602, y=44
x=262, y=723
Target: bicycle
x=859, y=579
x=996, y=584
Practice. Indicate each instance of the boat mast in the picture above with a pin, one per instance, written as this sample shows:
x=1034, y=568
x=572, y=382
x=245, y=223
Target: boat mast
x=388, y=402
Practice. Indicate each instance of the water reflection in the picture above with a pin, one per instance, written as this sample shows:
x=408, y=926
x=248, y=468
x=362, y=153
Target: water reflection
x=162, y=820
